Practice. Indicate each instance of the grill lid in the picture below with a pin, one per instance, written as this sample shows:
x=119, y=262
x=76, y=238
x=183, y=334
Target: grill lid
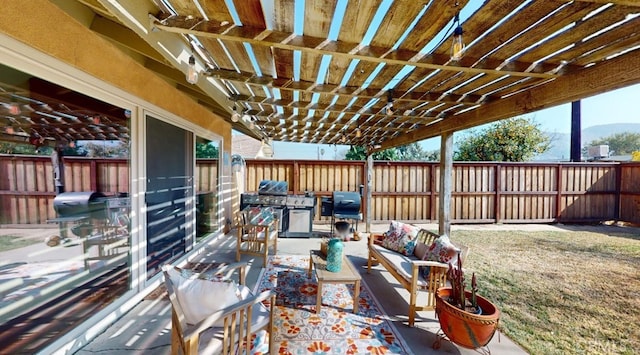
x=272, y=187
x=80, y=204
x=346, y=204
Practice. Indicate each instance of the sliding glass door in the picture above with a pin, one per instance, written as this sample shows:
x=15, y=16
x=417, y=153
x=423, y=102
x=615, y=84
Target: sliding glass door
x=169, y=194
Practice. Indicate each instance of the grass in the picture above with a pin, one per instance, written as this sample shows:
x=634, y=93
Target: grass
x=560, y=292
x=8, y=242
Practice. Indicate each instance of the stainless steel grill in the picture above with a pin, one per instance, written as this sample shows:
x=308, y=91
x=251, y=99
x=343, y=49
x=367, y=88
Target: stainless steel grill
x=295, y=212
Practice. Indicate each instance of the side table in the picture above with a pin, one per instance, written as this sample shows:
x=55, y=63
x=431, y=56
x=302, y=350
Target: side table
x=347, y=275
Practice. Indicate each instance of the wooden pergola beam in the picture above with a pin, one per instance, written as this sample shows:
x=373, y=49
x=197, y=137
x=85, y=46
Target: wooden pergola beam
x=615, y=2
x=606, y=76
x=316, y=45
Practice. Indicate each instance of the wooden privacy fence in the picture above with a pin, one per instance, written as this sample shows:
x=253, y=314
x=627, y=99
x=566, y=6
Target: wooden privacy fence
x=486, y=192
x=482, y=192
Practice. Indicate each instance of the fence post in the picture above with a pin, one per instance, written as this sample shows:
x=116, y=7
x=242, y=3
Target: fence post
x=617, y=201
x=559, y=193
x=498, y=186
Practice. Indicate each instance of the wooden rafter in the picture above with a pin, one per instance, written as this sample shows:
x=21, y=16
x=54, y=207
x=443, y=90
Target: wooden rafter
x=606, y=76
x=322, y=46
x=513, y=48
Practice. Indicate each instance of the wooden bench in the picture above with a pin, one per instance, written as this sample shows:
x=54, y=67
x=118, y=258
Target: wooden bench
x=406, y=269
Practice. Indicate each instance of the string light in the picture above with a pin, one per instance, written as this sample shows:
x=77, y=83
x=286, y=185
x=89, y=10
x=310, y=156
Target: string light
x=235, y=116
x=457, y=47
x=192, y=72
x=358, y=133
x=389, y=107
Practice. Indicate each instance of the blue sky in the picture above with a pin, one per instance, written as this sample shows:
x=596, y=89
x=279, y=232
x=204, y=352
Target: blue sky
x=619, y=106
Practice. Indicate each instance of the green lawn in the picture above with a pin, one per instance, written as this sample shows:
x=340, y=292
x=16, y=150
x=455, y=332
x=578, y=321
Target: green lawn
x=561, y=292
x=8, y=242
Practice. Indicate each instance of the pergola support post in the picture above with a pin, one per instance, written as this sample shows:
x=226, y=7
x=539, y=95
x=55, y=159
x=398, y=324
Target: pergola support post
x=446, y=175
x=576, y=129
x=369, y=193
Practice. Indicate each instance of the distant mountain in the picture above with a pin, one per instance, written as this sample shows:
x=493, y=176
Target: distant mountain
x=592, y=133
x=560, y=144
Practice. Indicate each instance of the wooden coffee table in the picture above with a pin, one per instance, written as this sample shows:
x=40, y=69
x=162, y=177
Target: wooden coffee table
x=347, y=275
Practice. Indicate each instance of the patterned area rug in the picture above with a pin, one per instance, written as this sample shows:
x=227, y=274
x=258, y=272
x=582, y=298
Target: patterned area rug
x=335, y=330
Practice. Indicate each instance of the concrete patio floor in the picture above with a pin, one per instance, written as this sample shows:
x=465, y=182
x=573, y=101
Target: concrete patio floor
x=146, y=328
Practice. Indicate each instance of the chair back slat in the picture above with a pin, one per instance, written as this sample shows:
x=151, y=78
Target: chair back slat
x=178, y=320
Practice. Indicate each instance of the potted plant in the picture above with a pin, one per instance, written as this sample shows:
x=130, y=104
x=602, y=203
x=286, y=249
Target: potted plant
x=466, y=318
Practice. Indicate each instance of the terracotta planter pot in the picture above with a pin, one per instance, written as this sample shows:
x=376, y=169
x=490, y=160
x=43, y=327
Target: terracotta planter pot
x=468, y=330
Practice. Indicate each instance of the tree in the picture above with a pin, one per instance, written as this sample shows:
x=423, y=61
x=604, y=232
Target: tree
x=359, y=152
x=620, y=143
x=433, y=155
x=409, y=152
x=23, y=148
x=412, y=152
x=106, y=149
x=205, y=150
x=514, y=139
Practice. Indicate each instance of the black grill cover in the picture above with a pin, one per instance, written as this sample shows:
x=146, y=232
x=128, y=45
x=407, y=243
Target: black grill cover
x=346, y=204
x=272, y=187
x=80, y=204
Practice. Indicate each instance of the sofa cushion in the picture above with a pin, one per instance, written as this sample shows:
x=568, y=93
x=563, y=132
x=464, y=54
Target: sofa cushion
x=442, y=250
x=401, y=263
x=401, y=237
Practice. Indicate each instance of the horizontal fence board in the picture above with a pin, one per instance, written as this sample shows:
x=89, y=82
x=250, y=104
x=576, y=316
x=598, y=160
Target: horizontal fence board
x=408, y=191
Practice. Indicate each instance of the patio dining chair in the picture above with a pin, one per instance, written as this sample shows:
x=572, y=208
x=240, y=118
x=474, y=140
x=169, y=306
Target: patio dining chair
x=214, y=314
x=257, y=232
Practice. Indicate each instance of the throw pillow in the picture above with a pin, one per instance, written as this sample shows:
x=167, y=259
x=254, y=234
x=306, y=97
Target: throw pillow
x=442, y=250
x=199, y=298
x=420, y=250
x=401, y=237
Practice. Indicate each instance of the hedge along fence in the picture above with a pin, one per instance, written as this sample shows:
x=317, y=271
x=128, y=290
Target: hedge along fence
x=482, y=192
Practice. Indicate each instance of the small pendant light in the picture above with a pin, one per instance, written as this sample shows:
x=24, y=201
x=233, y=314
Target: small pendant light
x=457, y=47
x=192, y=72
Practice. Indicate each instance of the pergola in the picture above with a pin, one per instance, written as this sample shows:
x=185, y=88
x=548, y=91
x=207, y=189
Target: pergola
x=375, y=73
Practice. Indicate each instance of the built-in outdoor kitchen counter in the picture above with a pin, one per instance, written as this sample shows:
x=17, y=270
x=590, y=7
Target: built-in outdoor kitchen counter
x=295, y=212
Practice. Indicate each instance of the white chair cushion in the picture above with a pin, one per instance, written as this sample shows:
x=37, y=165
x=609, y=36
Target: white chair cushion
x=200, y=298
